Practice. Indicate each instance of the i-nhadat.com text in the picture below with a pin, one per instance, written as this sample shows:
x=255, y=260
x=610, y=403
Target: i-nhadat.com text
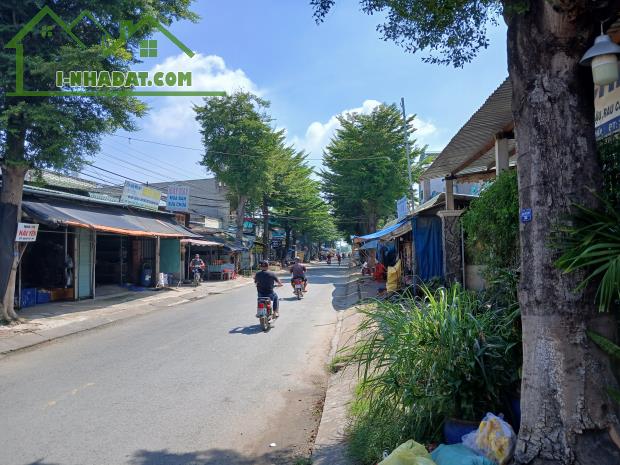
x=123, y=79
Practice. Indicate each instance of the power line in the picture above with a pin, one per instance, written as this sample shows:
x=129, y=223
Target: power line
x=231, y=153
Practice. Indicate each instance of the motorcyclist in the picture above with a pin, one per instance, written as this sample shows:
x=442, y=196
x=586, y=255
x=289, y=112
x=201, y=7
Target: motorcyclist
x=265, y=282
x=339, y=258
x=198, y=264
x=299, y=272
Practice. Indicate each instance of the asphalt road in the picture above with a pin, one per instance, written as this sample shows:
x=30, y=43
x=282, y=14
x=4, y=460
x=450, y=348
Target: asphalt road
x=198, y=383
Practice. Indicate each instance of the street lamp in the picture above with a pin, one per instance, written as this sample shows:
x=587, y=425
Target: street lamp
x=603, y=57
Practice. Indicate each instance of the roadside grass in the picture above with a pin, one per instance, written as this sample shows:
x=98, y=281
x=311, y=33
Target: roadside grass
x=338, y=363
x=302, y=461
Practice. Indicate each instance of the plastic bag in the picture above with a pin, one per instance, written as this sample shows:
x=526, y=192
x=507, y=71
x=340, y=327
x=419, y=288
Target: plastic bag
x=409, y=453
x=393, y=277
x=458, y=454
x=495, y=439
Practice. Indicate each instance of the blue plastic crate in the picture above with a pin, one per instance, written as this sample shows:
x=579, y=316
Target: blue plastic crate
x=28, y=297
x=43, y=296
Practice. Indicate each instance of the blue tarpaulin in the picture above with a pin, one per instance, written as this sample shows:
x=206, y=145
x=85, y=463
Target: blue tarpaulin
x=428, y=247
x=383, y=232
x=370, y=245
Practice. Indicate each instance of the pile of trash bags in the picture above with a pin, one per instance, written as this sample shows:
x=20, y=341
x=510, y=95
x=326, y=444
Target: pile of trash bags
x=492, y=443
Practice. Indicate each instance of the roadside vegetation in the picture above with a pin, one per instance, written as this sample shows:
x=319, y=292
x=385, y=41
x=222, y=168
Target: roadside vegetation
x=449, y=353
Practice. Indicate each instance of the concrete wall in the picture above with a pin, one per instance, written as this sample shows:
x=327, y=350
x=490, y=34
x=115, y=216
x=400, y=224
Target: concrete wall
x=473, y=277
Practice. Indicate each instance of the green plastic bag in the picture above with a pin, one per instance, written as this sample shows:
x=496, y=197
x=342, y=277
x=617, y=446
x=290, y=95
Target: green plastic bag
x=408, y=453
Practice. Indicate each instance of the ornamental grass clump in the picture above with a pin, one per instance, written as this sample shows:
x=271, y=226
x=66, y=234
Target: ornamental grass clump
x=422, y=360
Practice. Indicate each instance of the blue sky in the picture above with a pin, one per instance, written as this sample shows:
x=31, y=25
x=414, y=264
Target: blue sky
x=311, y=73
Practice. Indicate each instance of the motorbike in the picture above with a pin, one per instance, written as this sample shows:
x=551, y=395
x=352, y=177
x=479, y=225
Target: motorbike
x=298, y=285
x=329, y=260
x=264, y=312
x=196, y=277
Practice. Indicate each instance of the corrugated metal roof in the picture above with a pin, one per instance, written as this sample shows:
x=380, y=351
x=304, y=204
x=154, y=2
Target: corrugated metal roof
x=494, y=116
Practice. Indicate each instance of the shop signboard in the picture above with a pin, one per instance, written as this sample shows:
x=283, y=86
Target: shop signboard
x=26, y=232
x=178, y=198
x=607, y=109
x=140, y=195
x=402, y=208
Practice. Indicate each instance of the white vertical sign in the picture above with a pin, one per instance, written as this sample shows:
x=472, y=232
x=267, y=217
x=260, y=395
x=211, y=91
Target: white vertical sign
x=178, y=198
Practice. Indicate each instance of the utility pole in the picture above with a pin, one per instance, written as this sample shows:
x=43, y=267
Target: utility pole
x=408, y=151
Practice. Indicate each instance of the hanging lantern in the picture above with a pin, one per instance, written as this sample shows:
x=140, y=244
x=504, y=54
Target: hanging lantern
x=603, y=57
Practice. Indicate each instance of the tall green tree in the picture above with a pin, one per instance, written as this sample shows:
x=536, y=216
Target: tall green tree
x=567, y=414
x=60, y=132
x=366, y=168
x=239, y=147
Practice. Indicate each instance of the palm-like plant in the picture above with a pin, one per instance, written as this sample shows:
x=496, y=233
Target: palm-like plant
x=592, y=243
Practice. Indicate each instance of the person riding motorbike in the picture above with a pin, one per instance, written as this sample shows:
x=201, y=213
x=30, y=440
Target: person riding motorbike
x=265, y=282
x=299, y=272
x=339, y=258
x=198, y=264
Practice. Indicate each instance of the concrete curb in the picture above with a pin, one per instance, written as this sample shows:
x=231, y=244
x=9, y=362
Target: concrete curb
x=329, y=446
x=144, y=306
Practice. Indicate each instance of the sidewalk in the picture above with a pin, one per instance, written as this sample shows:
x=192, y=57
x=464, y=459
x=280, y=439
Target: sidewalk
x=330, y=447
x=47, y=322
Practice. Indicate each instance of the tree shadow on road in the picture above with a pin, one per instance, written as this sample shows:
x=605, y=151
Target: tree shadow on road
x=210, y=457
x=42, y=462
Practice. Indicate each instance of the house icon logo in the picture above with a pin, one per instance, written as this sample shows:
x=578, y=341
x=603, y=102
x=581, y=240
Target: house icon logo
x=47, y=25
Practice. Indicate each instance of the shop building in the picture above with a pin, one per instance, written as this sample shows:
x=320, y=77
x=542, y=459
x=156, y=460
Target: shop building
x=88, y=247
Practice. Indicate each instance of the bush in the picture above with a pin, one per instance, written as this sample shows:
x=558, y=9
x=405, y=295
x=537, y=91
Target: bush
x=446, y=354
x=491, y=225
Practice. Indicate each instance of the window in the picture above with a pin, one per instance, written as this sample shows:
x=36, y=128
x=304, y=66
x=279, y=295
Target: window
x=148, y=48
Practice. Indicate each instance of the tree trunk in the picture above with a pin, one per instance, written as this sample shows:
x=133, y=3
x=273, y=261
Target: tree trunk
x=287, y=241
x=11, y=200
x=566, y=412
x=240, y=218
x=267, y=248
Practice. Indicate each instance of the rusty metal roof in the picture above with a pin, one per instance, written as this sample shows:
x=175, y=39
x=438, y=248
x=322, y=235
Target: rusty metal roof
x=472, y=148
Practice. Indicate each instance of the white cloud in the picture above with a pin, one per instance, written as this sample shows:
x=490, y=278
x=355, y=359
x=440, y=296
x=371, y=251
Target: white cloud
x=319, y=134
x=174, y=117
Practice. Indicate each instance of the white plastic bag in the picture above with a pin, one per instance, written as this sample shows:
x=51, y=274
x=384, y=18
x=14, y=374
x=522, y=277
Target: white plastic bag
x=495, y=439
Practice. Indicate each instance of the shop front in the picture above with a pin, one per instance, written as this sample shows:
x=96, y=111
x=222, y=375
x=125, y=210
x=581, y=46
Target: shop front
x=88, y=248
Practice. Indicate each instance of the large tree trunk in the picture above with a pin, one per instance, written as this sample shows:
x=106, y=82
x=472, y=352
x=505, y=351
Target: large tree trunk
x=11, y=200
x=240, y=218
x=267, y=248
x=566, y=413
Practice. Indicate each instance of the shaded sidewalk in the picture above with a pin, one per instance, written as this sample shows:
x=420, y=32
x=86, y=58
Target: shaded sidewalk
x=330, y=446
x=44, y=323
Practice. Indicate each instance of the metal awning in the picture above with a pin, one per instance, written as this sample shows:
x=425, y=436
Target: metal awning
x=201, y=243
x=472, y=148
x=105, y=218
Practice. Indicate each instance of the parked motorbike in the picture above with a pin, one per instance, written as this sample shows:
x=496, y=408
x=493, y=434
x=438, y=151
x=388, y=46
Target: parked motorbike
x=264, y=312
x=298, y=285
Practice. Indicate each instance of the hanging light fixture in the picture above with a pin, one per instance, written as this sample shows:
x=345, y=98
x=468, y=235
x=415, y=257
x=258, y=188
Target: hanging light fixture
x=603, y=57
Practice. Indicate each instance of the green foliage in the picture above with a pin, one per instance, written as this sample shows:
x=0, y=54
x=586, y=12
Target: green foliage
x=454, y=30
x=296, y=197
x=613, y=351
x=59, y=132
x=491, y=225
x=366, y=168
x=591, y=242
x=447, y=354
x=609, y=156
x=239, y=143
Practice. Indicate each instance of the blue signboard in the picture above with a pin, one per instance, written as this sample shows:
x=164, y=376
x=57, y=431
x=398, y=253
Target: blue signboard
x=526, y=215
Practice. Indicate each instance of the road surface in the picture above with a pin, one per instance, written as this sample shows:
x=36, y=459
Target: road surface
x=198, y=383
